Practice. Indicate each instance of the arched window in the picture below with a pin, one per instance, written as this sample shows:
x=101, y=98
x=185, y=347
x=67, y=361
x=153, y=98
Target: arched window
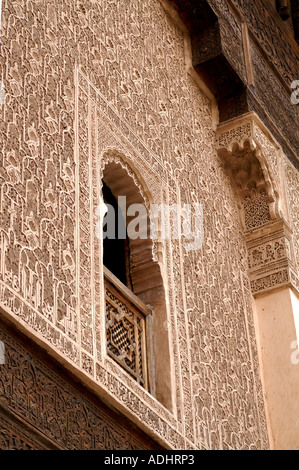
x=136, y=313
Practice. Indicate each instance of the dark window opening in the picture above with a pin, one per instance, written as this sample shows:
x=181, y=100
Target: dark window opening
x=116, y=247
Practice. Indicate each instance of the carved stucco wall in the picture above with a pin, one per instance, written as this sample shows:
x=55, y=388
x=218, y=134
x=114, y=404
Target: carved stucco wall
x=83, y=79
x=292, y=183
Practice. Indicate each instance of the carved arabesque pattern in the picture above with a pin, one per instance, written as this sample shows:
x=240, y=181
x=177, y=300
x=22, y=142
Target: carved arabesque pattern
x=256, y=209
x=292, y=185
x=132, y=94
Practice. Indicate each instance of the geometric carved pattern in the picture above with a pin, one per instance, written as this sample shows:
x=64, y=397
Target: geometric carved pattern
x=126, y=335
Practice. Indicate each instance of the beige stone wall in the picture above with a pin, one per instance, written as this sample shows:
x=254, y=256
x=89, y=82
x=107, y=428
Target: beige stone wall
x=85, y=80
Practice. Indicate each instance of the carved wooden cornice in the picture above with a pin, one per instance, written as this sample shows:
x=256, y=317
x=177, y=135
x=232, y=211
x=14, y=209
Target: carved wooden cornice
x=247, y=58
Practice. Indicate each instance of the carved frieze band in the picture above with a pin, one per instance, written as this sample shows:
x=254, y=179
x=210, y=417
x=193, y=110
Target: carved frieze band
x=271, y=258
x=251, y=156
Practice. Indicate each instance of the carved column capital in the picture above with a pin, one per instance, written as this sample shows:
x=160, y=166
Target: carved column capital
x=251, y=157
x=246, y=143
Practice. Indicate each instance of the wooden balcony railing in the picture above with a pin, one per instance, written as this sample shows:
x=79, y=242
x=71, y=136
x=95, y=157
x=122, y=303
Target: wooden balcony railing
x=126, y=329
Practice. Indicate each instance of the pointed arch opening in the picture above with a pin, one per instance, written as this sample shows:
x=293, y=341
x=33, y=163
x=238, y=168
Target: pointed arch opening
x=136, y=309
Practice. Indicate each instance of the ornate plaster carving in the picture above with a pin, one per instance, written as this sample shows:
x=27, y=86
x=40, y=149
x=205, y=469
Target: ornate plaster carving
x=251, y=157
x=271, y=257
x=139, y=101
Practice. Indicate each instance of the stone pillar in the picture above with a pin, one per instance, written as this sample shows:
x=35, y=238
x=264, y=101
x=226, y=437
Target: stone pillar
x=277, y=316
x=276, y=306
x=252, y=158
